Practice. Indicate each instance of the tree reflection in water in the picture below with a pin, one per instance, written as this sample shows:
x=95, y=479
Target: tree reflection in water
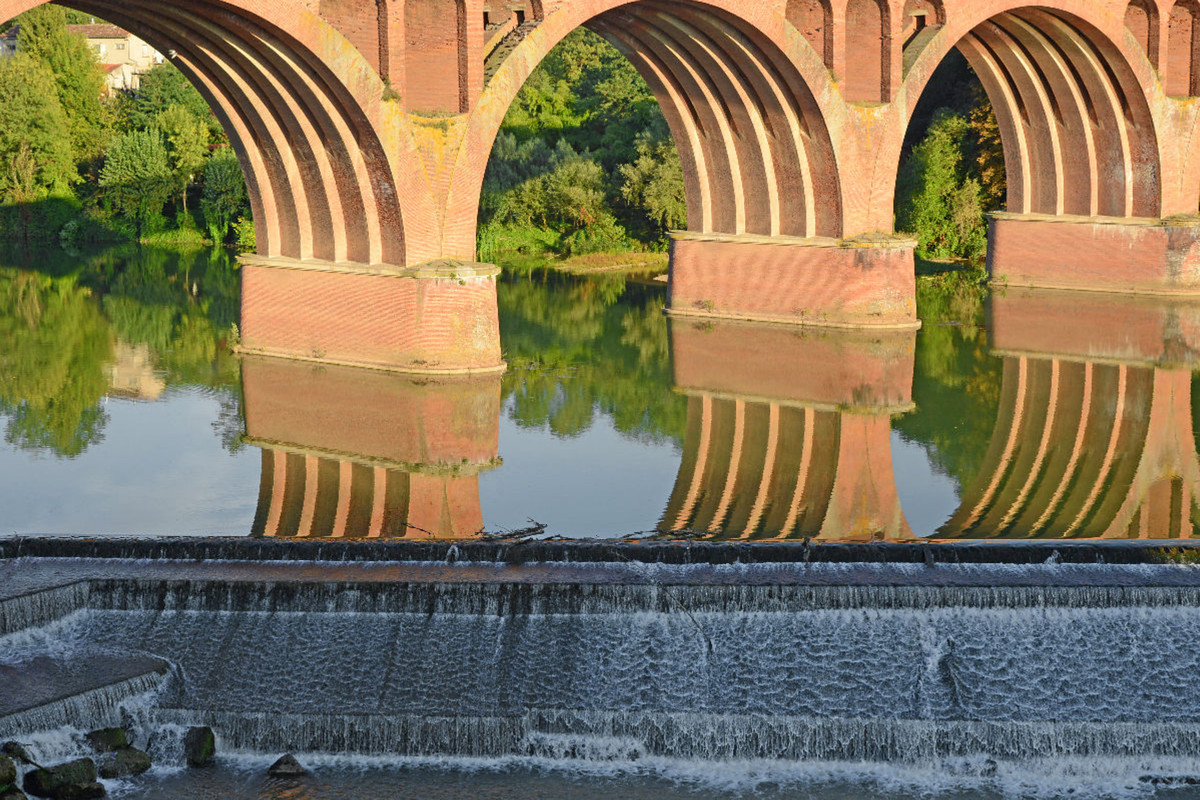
x=78, y=329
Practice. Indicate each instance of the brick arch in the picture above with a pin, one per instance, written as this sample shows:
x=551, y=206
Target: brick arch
x=1183, y=49
x=1078, y=131
x=757, y=152
x=302, y=109
x=814, y=20
x=1141, y=18
x=868, y=52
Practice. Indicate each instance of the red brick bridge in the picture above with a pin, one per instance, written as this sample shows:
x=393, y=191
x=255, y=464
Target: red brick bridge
x=364, y=128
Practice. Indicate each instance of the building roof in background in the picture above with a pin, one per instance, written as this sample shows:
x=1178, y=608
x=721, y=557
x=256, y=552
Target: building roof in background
x=99, y=31
x=95, y=30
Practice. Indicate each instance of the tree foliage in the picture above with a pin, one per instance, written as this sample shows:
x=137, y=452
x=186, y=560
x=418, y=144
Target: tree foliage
x=585, y=153
x=78, y=78
x=35, y=142
x=938, y=198
x=165, y=86
x=186, y=139
x=654, y=182
x=224, y=198
x=137, y=178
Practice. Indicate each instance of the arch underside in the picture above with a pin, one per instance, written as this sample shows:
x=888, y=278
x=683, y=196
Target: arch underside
x=1077, y=130
x=757, y=157
x=318, y=178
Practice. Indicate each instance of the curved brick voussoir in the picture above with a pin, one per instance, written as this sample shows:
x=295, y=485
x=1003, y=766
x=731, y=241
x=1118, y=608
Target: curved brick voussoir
x=754, y=112
x=323, y=151
x=1086, y=124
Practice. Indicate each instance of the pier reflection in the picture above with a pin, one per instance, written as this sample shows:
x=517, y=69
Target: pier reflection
x=788, y=432
x=1094, y=438
x=353, y=453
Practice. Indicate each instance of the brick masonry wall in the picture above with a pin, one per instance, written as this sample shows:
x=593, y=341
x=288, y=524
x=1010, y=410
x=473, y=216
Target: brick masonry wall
x=374, y=319
x=828, y=285
x=1085, y=253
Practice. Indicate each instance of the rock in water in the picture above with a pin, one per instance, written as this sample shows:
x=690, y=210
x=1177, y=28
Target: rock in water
x=13, y=793
x=18, y=753
x=8, y=772
x=199, y=745
x=107, y=740
x=287, y=767
x=124, y=762
x=74, y=780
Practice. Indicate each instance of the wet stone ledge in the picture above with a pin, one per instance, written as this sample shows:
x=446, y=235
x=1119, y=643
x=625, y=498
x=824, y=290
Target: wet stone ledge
x=600, y=551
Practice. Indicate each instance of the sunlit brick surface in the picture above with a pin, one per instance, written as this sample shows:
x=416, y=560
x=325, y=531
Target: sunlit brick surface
x=406, y=323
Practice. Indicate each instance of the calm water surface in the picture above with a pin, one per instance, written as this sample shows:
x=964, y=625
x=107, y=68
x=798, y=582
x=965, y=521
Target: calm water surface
x=124, y=412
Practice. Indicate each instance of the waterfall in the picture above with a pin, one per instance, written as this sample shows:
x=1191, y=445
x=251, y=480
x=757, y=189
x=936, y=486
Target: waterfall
x=95, y=708
x=887, y=663
x=36, y=609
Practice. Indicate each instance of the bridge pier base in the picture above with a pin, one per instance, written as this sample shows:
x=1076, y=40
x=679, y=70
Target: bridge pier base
x=866, y=282
x=1132, y=255
x=434, y=318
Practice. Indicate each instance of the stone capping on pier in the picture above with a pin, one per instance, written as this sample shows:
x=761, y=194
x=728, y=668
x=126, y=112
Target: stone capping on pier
x=597, y=551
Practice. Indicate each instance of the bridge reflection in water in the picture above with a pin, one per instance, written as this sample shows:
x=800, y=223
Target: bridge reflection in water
x=353, y=453
x=789, y=433
x=1094, y=437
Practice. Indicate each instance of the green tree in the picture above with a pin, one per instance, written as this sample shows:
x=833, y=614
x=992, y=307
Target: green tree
x=584, y=152
x=78, y=78
x=938, y=199
x=165, y=86
x=186, y=139
x=137, y=179
x=654, y=183
x=35, y=143
x=224, y=198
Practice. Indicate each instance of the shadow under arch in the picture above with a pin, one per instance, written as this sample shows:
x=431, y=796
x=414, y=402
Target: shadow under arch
x=1078, y=133
x=757, y=153
x=302, y=109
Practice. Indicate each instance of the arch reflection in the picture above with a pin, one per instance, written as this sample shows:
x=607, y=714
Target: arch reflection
x=788, y=432
x=352, y=453
x=1094, y=437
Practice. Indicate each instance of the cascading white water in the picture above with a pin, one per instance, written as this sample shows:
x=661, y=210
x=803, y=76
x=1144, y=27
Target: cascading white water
x=708, y=671
x=41, y=607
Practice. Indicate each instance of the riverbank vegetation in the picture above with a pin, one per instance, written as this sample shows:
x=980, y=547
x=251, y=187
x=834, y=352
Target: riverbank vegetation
x=584, y=163
x=78, y=164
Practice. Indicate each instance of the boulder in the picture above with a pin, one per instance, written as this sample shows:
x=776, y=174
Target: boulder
x=124, y=762
x=287, y=767
x=74, y=780
x=199, y=745
x=108, y=740
x=8, y=772
x=13, y=793
x=18, y=753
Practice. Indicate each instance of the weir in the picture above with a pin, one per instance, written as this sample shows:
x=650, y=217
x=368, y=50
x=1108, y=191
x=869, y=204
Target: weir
x=888, y=663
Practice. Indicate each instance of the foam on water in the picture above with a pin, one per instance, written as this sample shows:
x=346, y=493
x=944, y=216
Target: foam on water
x=988, y=688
